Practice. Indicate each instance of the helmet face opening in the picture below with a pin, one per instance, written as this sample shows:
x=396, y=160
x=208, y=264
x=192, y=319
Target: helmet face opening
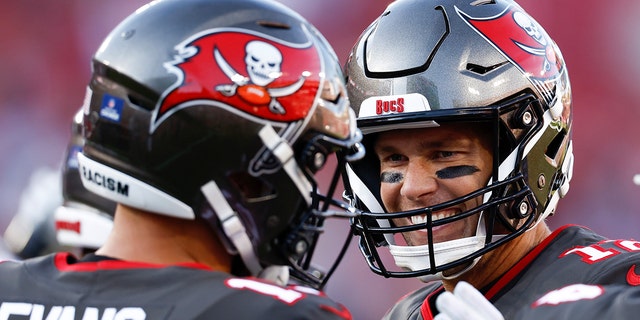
x=483, y=63
x=504, y=206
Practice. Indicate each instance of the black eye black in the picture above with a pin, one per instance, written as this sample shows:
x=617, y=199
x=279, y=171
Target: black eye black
x=456, y=172
x=391, y=177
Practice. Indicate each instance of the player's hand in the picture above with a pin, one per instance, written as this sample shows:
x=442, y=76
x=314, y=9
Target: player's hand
x=465, y=303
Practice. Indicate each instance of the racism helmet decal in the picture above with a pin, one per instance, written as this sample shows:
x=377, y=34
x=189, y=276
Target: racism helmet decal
x=526, y=44
x=261, y=77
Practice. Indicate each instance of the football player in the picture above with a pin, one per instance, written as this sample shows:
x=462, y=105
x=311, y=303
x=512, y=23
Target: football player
x=466, y=111
x=206, y=121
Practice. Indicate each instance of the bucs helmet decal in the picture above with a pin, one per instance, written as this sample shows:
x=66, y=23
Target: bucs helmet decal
x=253, y=74
x=527, y=45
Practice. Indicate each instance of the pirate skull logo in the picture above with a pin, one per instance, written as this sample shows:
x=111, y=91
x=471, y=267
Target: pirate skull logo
x=531, y=28
x=263, y=62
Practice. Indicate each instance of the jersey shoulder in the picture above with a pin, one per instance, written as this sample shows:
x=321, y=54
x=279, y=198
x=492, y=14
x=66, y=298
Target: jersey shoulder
x=251, y=298
x=584, y=301
x=570, y=255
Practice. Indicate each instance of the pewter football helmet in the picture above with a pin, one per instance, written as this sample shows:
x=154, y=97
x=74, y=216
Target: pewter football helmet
x=427, y=62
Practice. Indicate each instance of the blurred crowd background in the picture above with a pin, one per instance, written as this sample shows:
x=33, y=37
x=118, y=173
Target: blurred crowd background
x=45, y=54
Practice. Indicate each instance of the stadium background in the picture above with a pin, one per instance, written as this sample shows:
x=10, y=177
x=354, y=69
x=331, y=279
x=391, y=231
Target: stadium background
x=44, y=67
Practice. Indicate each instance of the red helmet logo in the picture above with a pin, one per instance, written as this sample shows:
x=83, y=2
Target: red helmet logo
x=257, y=74
x=525, y=43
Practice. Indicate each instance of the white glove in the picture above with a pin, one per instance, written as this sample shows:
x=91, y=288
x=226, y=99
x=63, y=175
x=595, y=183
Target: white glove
x=465, y=303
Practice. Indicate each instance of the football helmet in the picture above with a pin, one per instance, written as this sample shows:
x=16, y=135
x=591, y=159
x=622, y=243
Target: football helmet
x=423, y=63
x=84, y=219
x=223, y=111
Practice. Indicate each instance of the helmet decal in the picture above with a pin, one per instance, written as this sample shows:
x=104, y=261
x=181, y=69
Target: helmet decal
x=111, y=108
x=527, y=45
x=259, y=75
x=394, y=104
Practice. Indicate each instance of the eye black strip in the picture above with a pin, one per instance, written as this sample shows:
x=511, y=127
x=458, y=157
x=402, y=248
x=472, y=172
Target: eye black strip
x=456, y=172
x=391, y=177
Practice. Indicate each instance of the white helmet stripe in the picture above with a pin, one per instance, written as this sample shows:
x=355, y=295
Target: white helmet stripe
x=120, y=187
x=368, y=199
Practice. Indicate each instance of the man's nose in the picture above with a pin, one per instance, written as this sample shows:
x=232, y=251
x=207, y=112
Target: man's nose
x=419, y=181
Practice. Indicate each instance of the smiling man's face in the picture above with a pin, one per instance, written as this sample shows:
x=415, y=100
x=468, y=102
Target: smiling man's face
x=424, y=167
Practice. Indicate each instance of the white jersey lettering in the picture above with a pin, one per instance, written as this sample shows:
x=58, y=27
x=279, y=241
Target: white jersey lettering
x=37, y=312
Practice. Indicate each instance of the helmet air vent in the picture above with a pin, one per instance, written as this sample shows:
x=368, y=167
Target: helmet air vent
x=482, y=2
x=482, y=70
x=273, y=24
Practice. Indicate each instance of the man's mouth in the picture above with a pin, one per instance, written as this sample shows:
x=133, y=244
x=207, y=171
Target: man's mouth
x=420, y=219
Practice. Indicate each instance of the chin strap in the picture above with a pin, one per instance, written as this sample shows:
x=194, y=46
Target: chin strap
x=95, y=226
x=281, y=149
x=232, y=226
x=235, y=231
x=416, y=258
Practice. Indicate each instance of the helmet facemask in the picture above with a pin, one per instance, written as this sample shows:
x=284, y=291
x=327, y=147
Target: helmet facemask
x=287, y=238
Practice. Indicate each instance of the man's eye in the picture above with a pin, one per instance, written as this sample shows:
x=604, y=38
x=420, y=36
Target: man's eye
x=389, y=157
x=445, y=154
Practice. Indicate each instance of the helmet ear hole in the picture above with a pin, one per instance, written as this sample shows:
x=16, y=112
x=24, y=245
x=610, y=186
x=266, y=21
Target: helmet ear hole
x=554, y=147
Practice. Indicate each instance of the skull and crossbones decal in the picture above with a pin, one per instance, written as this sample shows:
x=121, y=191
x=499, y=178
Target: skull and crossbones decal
x=263, y=62
x=531, y=28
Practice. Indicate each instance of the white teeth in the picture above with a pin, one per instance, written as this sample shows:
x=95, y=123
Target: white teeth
x=418, y=219
x=423, y=218
x=443, y=215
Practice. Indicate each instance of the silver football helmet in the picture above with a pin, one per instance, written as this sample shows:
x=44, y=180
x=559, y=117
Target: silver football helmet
x=423, y=63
